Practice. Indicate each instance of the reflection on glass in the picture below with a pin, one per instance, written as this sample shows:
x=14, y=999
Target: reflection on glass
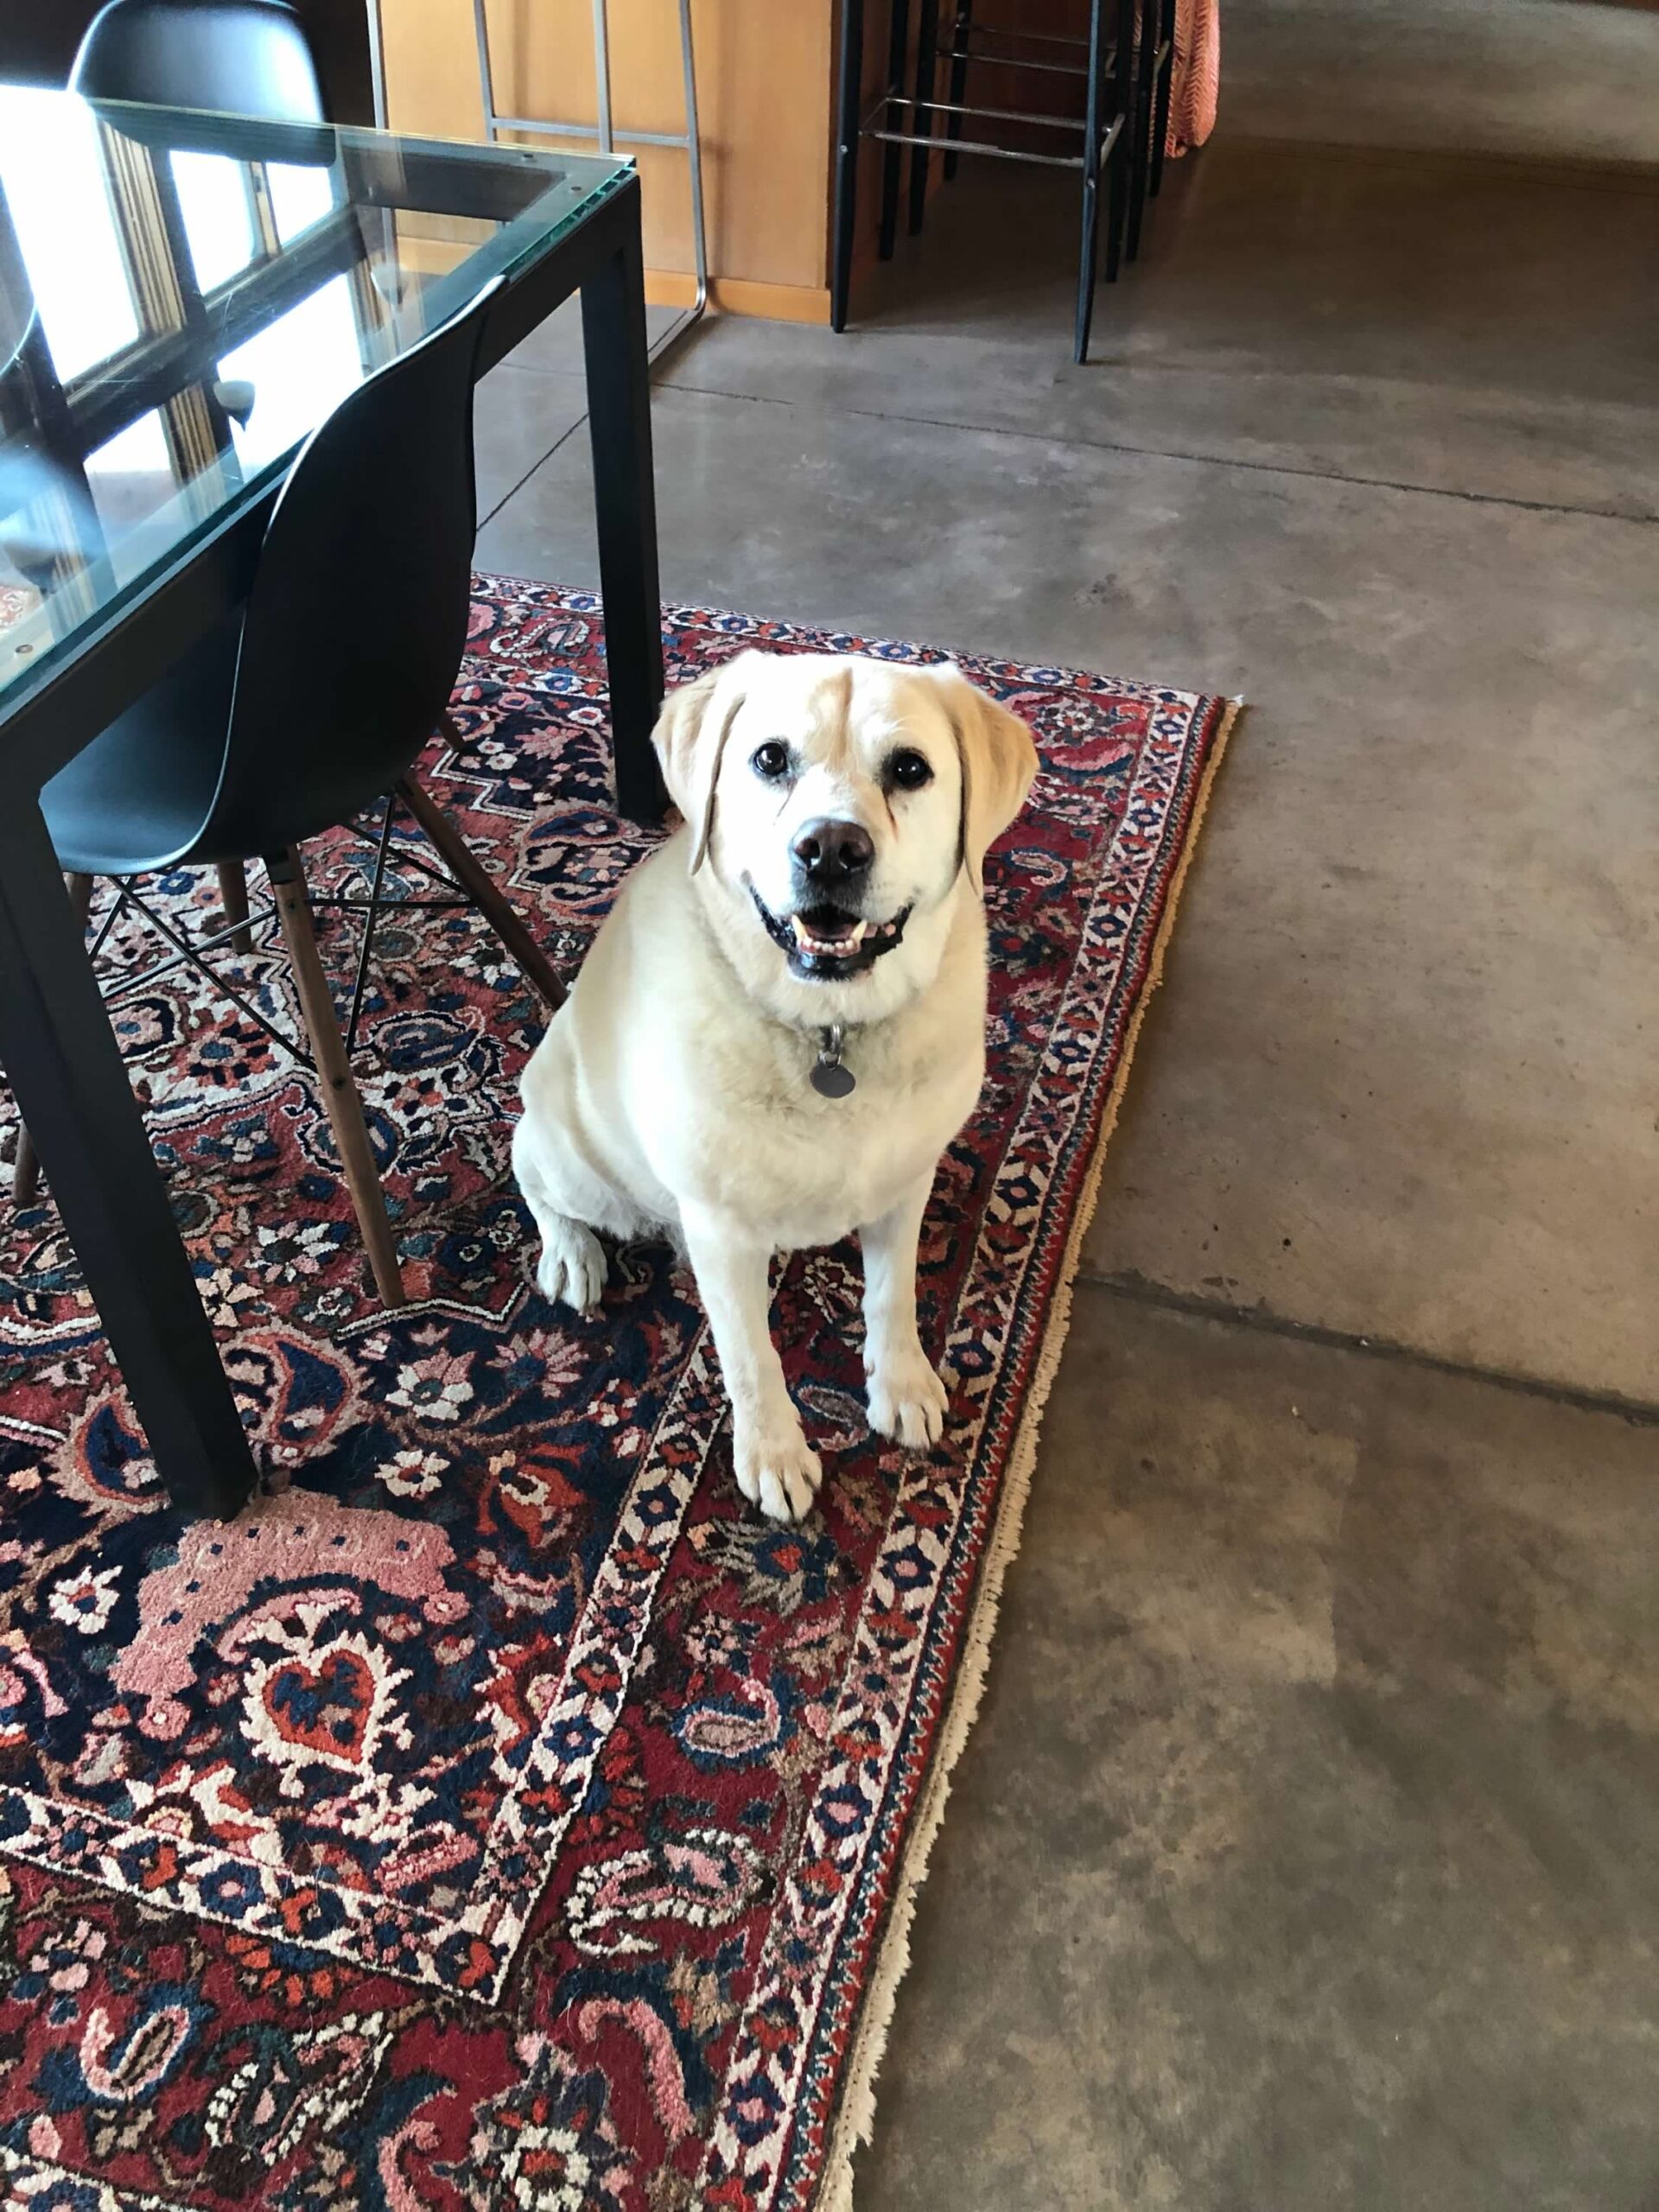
x=52, y=167
x=16, y=598
x=301, y=367
x=299, y=197
x=130, y=476
x=218, y=221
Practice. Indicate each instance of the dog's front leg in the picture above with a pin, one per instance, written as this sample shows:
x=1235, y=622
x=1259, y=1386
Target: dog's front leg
x=777, y=1468
x=907, y=1400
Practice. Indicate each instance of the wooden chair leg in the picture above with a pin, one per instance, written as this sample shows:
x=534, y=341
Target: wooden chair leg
x=26, y=1167
x=481, y=887
x=25, y=1170
x=233, y=900
x=340, y=1092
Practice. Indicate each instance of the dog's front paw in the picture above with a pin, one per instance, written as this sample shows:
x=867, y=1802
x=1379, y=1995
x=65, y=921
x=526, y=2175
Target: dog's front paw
x=777, y=1468
x=573, y=1264
x=907, y=1400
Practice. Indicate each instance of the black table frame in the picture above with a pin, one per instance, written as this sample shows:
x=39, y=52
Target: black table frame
x=56, y=1044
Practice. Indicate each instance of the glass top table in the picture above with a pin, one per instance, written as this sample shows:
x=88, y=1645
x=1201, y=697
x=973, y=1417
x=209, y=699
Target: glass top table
x=183, y=298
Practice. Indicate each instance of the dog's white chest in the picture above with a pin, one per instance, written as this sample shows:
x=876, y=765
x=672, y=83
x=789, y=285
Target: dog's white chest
x=802, y=1169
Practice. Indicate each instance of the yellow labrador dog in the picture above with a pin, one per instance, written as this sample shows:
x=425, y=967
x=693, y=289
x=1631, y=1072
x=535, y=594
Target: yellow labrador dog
x=781, y=1025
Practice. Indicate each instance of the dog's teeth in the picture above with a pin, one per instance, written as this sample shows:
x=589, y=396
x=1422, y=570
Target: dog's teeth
x=857, y=937
x=799, y=928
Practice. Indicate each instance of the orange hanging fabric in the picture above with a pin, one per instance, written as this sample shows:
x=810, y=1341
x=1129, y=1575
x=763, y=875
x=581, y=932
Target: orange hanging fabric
x=1197, y=73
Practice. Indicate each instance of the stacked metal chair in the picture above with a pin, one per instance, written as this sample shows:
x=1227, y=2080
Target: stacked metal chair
x=1125, y=58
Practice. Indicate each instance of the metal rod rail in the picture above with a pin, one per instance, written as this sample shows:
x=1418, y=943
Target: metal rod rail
x=1035, y=38
x=1109, y=138
x=192, y=954
x=602, y=75
x=979, y=146
x=986, y=114
x=143, y=978
x=376, y=64
x=337, y=902
x=1014, y=62
x=117, y=910
x=604, y=132
x=591, y=130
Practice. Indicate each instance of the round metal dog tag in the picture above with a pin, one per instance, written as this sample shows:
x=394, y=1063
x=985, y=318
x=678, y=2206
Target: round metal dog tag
x=831, y=1080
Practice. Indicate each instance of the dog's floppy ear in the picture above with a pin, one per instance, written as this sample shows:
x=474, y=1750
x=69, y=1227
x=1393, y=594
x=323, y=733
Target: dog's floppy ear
x=691, y=739
x=999, y=761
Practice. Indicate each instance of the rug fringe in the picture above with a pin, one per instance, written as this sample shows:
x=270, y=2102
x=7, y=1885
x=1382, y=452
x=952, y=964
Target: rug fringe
x=855, y=2115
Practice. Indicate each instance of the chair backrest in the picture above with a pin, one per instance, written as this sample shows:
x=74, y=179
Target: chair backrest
x=357, y=619
x=238, y=57
x=16, y=301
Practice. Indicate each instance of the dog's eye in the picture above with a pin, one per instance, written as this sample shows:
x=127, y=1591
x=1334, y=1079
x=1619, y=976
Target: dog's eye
x=910, y=771
x=770, y=759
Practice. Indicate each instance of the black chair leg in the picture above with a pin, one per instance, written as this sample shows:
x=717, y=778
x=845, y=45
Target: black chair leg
x=850, y=75
x=1146, y=43
x=340, y=1091
x=481, y=887
x=927, y=47
x=26, y=1167
x=1166, y=93
x=1088, y=251
x=891, y=153
x=1120, y=104
x=961, y=32
x=1117, y=204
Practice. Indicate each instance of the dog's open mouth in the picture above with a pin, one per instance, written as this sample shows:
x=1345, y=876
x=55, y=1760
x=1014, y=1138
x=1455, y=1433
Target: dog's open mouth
x=828, y=944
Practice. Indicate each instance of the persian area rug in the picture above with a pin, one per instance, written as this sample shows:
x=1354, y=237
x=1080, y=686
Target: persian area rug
x=499, y=1812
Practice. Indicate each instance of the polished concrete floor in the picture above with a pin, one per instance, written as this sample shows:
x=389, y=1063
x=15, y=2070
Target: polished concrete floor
x=1303, y=1856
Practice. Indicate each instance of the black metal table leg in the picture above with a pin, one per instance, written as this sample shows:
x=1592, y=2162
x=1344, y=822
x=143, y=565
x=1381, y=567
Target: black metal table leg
x=1146, y=14
x=850, y=75
x=891, y=153
x=1089, y=249
x=1166, y=89
x=619, y=421
x=1119, y=102
x=961, y=30
x=927, y=47
x=61, y=1057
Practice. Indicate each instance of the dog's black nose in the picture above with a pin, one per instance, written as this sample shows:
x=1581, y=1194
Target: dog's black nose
x=830, y=852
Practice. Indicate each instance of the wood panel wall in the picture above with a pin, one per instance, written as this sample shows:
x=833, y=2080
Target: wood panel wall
x=764, y=75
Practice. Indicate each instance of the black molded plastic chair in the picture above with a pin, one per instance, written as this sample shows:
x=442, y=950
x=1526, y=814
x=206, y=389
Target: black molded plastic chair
x=313, y=702
x=238, y=57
